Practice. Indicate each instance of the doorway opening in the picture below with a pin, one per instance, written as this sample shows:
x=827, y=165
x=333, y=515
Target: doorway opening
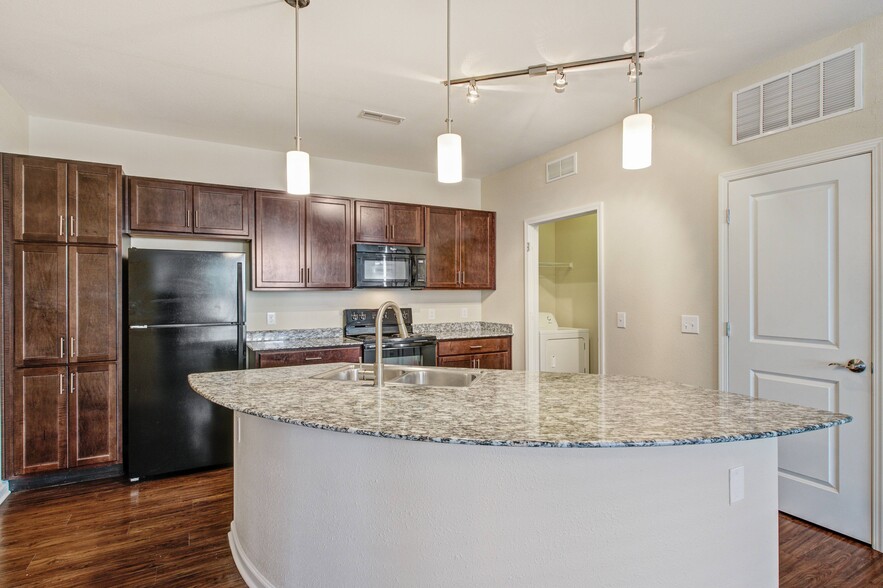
x=563, y=292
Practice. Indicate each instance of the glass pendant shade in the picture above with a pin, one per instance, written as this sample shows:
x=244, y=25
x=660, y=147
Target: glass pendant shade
x=637, y=141
x=450, y=158
x=298, y=172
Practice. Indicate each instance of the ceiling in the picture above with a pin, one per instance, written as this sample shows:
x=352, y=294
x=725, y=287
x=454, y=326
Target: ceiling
x=223, y=70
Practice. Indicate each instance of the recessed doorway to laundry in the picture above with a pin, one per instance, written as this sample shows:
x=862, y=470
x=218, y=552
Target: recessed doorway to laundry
x=563, y=292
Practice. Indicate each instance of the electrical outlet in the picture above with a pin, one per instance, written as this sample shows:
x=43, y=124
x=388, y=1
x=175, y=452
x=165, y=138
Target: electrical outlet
x=464, y=312
x=271, y=318
x=690, y=324
x=620, y=320
x=737, y=484
x=430, y=313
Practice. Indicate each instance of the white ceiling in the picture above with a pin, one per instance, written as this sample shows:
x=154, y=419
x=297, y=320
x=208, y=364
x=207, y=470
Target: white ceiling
x=222, y=70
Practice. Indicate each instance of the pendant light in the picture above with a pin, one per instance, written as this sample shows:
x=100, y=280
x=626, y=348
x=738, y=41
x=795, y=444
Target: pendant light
x=637, y=129
x=450, y=152
x=297, y=161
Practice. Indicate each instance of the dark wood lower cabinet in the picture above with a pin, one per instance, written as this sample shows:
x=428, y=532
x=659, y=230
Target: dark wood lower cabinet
x=493, y=353
x=265, y=359
x=64, y=417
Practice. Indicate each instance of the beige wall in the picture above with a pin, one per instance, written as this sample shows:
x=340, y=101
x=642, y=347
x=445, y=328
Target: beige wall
x=661, y=224
x=548, y=287
x=13, y=125
x=145, y=154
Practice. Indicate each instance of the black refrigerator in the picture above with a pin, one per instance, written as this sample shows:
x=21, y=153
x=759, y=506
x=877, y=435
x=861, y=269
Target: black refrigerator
x=186, y=312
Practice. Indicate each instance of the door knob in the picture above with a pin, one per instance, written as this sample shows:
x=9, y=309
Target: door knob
x=853, y=365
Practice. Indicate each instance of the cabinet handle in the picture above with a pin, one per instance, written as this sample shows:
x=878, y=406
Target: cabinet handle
x=392, y=232
x=73, y=346
x=301, y=279
x=308, y=275
x=73, y=229
x=61, y=341
x=186, y=218
x=73, y=386
x=312, y=358
x=61, y=383
x=195, y=219
x=478, y=362
x=475, y=347
x=61, y=226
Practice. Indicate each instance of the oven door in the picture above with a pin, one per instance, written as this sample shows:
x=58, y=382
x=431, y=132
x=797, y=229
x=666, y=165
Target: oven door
x=383, y=270
x=420, y=354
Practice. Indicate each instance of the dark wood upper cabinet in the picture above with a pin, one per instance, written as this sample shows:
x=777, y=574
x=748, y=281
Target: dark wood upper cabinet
x=221, y=211
x=40, y=304
x=92, y=414
x=478, y=246
x=93, y=203
x=460, y=248
x=39, y=199
x=39, y=422
x=442, y=247
x=329, y=242
x=162, y=206
x=278, y=258
x=388, y=222
x=92, y=304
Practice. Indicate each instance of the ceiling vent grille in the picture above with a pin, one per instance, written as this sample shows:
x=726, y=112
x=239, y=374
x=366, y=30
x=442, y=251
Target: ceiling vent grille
x=828, y=87
x=381, y=117
x=561, y=168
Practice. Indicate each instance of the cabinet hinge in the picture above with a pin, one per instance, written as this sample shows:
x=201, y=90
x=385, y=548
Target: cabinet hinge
x=728, y=216
x=727, y=327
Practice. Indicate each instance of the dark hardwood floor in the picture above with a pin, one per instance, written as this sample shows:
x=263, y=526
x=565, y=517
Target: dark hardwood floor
x=173, y=532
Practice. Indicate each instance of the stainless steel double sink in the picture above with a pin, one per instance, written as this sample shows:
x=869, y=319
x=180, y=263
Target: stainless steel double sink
x=401, y=374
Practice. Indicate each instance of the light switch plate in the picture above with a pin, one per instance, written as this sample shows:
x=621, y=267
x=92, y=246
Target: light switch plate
x=430, y=313
x=620, y=320
x=271, y=318
x=690, y=324
x=464, y=312
x=737, y=484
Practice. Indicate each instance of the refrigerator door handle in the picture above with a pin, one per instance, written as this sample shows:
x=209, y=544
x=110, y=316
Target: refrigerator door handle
x=240, y=294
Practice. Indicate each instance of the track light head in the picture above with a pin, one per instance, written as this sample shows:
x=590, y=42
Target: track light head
x=560, y=83
x=634, y=71
x=472, y=94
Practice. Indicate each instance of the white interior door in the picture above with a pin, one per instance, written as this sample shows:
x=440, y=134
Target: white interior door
x=800, y=298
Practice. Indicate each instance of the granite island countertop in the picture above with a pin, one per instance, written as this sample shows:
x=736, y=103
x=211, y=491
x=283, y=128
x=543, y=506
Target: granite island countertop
x=513, y=408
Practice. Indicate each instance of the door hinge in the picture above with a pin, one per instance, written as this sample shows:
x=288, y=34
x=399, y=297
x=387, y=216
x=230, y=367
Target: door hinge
x=728, y=216
x=528, y=246
x=727, y=326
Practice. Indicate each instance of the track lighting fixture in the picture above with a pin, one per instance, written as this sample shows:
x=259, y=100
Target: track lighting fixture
x=450, y=151
x=634, y=72
x=472, y=95
x=297, y=162
x=560, y=83
x=637, y=129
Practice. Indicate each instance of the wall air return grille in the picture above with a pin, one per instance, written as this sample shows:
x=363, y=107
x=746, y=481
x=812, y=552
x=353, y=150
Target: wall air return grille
x=561, y=168
x=381, y=117
x=812, y=92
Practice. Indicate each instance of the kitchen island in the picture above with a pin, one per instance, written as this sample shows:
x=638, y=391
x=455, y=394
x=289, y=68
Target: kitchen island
x=521, y=479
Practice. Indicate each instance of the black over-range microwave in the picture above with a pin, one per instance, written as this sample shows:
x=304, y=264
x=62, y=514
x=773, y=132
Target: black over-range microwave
x=390, y=266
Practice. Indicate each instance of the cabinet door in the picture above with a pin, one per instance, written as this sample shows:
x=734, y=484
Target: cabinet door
x=406, y=224
x=92, y=416
x=39, y=197
x=92, y=307
x=458, y=361
x=442, y=248
x=372, y=222
x=278, y=247
x=493, y=361
x=478, y=249
x=39, y=422
x=329, y=243
x=221, y=211
x=40, y=304
x=156, y=205
x=93, y=203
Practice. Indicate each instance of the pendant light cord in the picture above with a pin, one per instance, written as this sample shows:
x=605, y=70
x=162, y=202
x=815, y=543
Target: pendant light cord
x=448, y=120
x=297, y=75
x=637, y=63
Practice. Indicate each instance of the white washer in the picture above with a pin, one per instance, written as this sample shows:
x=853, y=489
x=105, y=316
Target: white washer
x=562, y=349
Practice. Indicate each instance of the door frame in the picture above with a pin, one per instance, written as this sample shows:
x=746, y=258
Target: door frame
x=532, y=281
x=874, y=147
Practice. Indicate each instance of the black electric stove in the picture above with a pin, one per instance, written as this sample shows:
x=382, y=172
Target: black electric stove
x=359, y=323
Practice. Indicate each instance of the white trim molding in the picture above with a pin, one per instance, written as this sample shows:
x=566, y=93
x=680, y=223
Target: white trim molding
x=4, y=491
x=247, y=570
x=875, y=148
x=532, y=277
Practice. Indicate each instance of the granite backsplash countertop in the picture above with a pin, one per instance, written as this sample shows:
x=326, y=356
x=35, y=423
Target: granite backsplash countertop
x=513, y=408
x=294, y=339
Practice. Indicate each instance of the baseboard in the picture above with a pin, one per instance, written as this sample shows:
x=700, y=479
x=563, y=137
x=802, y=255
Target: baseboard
x=4, y=491
x=249, y=573
x=70, y=476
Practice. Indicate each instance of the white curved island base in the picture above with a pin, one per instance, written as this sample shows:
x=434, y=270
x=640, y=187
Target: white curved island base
x=322, y=508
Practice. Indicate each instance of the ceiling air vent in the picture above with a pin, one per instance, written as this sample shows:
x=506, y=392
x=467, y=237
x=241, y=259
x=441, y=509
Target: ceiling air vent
x=561, y=168
x=380, y=117
x=810, y=93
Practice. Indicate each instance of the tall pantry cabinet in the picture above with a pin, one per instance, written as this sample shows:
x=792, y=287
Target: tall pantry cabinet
x=61, y=317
